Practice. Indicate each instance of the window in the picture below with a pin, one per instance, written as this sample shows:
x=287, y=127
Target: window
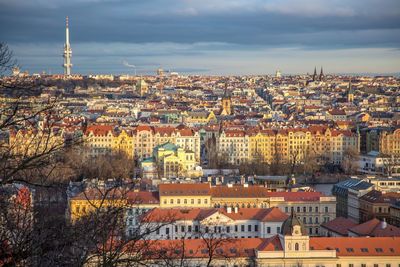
x=378, y=249
x=316, y=209
x=196, y=228
x=278, y=229
x=228, y=229
x=171, y=201
x=192, y=201
x=316, y=219
x=268, y=230
x=304, y=209
x=185, y=201
x=310, y=231
x=298, y=209
x=255, y=228
x=242, y=228
x=167, y=231
x=351, y=265
x=286, y=209
x=364, y=249
x=205, y=201
x=326, y=209
x=363, y=265
x=189, y=228
x=249, y=228
x=178, y=201
x=199, y=201
x=388, y=265
x=350, y=249
x=309, y=209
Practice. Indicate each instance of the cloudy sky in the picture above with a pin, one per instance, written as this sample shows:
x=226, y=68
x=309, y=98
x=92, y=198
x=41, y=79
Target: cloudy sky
x=205, y=36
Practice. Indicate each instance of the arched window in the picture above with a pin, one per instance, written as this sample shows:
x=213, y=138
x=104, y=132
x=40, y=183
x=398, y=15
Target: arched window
x=296, y=246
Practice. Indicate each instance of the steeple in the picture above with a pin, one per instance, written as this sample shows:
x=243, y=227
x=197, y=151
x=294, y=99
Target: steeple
x=226, y=102
x=314, y=77
x=321, y=75
x=67, y=51
x=350, y=92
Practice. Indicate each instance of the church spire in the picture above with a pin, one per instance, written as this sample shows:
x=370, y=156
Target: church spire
x=314, y=77
x=321, y=75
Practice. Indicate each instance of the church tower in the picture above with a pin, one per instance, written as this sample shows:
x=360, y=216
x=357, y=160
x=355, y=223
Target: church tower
x=321, y=75
x=293, y=236
x=67, y=51
x=226, y=102
x=314, y=77
x=350, y=93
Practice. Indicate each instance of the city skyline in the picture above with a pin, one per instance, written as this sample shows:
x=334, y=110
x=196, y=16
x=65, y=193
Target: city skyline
x=240, y=37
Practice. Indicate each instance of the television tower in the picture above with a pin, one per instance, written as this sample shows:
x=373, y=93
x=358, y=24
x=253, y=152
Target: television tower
x=67, y=52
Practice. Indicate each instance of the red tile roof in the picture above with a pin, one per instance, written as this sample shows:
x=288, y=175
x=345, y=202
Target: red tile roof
x=143, y=197
x=358, y=246
x=297, y=196
x=99, y=130
x=375, y=228
x=198, y=214
x=339, y=225
x=239, y=191
x=184, y=189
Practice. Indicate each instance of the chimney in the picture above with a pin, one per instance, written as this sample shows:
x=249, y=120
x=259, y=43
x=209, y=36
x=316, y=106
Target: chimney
x=384, y=224
x=229, y=209
x=236, y=209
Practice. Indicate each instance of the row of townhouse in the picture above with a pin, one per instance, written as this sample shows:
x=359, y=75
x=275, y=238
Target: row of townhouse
x=140, y=141
x=285, y=145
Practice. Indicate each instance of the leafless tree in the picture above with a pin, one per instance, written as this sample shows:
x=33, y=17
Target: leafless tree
x=214, y=236
x=390, y=164
x=349, y=163
x=7, y=60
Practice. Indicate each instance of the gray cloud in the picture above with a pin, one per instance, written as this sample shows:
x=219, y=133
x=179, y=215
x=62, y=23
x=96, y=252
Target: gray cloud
x=161, y=29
